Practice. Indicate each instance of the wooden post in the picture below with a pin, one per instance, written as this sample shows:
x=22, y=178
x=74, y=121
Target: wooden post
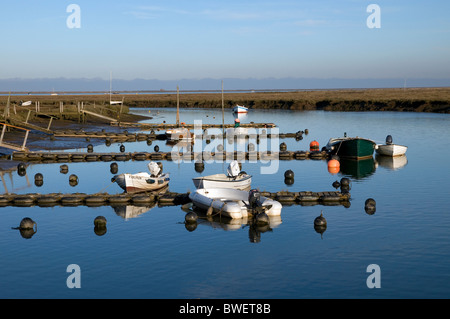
x=25, y=140
x=50, y=123
x=3, y=133
x=28, y=116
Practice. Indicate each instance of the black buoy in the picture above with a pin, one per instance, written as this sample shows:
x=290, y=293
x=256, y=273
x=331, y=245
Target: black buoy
x=320, y=220
x=90, y=148
x=283, y=147
x=345, y=185
x=345, y=181
x=100, y=221
x=64, y=169
x=336, y=184
x=38, y=179
x=113, y=168
x=21, y=169
x=27, y=223
x=73, y=180
x=370, y=206
x=122, y=148
x=27, y=228
x=108, y=142
x=289, y=174
x=100, y=225
x=156, y=148
x=388, y=139
x=320, y=224
x=199, y=167
x=191, y=218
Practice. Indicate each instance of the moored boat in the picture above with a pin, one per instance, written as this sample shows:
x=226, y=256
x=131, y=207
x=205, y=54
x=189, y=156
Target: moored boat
x=390, y=149
x=351, y=147
x=240, y=109
x=179, y=134
x=143, y=181
x=233, y=179
x=232, y=203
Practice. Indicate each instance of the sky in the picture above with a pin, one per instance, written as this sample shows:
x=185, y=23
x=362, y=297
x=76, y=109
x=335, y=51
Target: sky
x=170, y=40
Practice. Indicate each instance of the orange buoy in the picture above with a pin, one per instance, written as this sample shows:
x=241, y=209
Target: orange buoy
x=333, y=163
x=314, y=146
x=333, y=166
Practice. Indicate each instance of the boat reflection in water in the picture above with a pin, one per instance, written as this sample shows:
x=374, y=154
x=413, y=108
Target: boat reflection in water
x=217, y=221
x=131, y=211
x=392, y=163
x=357, y=168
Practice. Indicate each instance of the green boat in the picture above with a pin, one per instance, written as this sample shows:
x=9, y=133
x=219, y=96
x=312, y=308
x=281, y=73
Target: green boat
x=351, y=147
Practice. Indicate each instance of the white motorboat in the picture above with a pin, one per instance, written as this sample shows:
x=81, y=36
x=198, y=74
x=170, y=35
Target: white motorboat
x=240, y=109
x=232, y=203
x=27, y=103
x=141, y=182
x=233, y=179
x=179, y=134
x=390, y=149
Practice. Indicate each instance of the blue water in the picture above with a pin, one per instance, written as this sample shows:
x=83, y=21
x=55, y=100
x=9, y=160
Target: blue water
x=154, y=255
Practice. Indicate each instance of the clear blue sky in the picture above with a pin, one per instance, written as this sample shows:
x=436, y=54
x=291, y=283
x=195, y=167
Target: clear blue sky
x=171, y=40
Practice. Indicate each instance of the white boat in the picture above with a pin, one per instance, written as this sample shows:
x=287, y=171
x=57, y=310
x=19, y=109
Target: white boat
x=240, y=109
x=179, y=134
x=141, y=182
x=232, y=203
x=27, y=103
x=233, y=179
x=390, y=149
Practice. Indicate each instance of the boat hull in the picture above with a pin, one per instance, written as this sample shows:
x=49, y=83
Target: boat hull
x=242, y=182
x=352, y=148
x=231, y=203
x=141, y=182
x=240, y=109
x=391, y=149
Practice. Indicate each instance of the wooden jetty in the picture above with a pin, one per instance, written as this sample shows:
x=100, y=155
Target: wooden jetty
x=331, y=198
x=164, y=126
x=154, y=136
x=11, y=145
x=49, y=157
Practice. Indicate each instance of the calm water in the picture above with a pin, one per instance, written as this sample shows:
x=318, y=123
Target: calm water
x=153, y=255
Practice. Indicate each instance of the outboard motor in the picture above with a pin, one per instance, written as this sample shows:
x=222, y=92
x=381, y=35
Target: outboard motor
x=254, y=197
x=389, y=140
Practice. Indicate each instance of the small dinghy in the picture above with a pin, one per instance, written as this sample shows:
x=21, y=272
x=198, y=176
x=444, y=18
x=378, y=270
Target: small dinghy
x=234, y=203
x=390, y=149
x=141, y=182
x=234, y=179
x=240, y=109
x=179, y=134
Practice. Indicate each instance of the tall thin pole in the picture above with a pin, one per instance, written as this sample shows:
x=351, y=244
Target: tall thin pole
x=223, y=121
x=178, y=107
x=110, y=86
x=223, y=116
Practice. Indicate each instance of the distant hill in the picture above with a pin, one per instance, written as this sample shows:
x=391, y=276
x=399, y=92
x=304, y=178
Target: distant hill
x=98, y=84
